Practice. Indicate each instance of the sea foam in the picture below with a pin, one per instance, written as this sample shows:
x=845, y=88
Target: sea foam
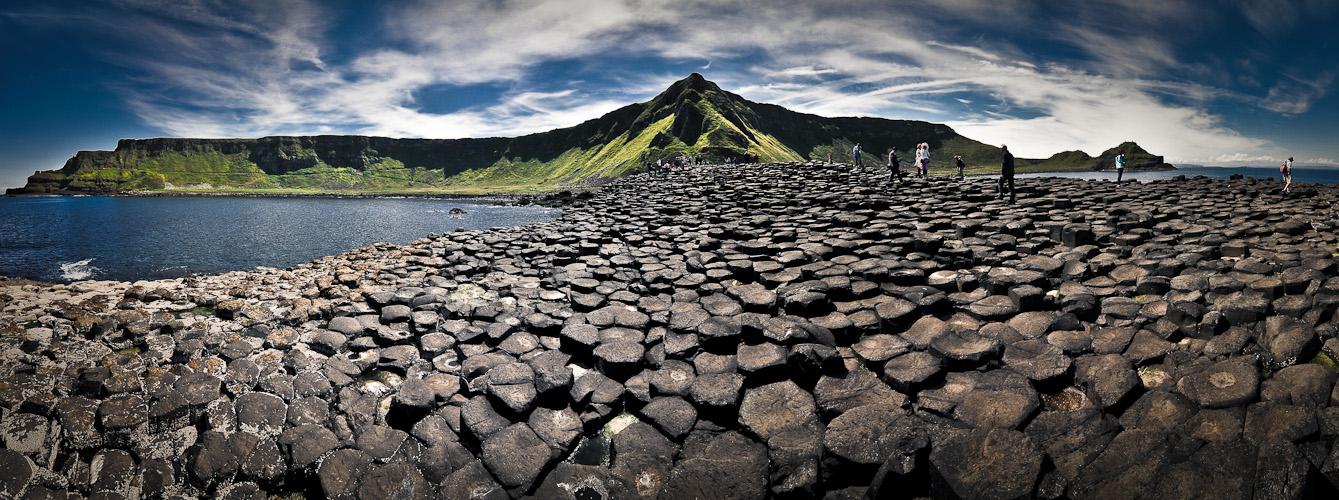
x=78, y=270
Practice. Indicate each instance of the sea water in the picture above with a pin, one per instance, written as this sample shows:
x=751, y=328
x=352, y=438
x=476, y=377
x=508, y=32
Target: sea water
x=62, y=239
x=1319, y=175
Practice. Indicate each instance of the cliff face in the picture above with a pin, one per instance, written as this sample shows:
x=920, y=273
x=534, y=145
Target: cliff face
x=693, y=116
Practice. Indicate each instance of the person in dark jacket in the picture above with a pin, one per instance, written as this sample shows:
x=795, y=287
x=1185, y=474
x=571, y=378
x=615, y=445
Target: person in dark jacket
x=1007, y=173
x=957, y=161
x=894, y=166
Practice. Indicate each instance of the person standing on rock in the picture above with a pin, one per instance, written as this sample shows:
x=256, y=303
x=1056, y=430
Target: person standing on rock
x=1120, y=166
x=957, y=161
x=1007, y=173
x=925, y=160
x=894, y=166
x=920, y=154
x=856, y=153
x=1287, y=170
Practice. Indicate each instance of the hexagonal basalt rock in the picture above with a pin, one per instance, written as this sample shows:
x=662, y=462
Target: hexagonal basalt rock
x=986, y=463
x=721, y=390
x=516, y=456
x=1036, y=359
x=1227, y=383
x=875, y=433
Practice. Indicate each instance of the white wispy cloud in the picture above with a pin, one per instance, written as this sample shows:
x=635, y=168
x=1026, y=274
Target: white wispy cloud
x=249, y=68
x=1242, y=158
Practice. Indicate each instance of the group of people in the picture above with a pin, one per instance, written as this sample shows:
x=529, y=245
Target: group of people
x=922, y=164
x=676, y=162
x=1006, y=180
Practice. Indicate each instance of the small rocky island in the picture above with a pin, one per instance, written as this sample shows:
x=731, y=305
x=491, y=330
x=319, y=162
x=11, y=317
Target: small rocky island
x=784, y=330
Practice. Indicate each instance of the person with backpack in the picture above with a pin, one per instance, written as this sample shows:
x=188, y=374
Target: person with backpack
x=1287, y=170
x=1006, y=173
x=856, y=153
x=894, y=166
x=1120, y=166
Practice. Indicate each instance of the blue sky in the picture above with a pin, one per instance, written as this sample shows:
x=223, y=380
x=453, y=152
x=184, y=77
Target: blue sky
x=1220, y=82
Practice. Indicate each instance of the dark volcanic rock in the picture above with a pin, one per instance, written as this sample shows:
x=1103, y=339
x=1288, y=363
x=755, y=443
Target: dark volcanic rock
x=1107, y=378
x=516, y=456
x=1228, y=383
x=304, y=445
x=986, y=463
x=875, y=433
x=1132, y=463
x=778, y=330
x=729, y=466
x=718, y=390
x=1036, y=359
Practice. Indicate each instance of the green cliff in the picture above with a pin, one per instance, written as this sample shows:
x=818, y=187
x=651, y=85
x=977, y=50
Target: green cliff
x=693, y=116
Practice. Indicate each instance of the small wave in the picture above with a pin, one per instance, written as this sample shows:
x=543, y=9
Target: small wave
x=79, y=270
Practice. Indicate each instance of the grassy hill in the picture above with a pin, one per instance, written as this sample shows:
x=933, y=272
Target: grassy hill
x=693, y=116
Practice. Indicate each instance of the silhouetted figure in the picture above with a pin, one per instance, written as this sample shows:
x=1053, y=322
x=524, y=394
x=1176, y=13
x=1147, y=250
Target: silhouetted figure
x=1007, y=173
x=894, y=166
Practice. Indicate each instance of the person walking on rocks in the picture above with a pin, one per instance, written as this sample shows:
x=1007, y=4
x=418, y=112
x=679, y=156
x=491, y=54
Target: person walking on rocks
x=1007, y=173
x=1287, y=170
x=1120, y=166
x=856, y=153
x=957, y=161
x=894, y=166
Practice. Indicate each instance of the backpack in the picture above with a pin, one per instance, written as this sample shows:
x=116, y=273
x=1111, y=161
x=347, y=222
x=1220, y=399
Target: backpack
x=1283, y=169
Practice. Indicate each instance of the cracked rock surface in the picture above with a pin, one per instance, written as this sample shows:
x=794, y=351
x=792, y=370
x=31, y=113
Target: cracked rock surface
x=793, y=330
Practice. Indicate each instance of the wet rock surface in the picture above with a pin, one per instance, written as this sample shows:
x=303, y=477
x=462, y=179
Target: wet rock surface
x=796, y=330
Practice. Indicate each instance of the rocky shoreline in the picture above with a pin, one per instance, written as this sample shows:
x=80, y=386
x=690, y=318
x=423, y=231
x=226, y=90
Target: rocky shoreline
x=782, y=330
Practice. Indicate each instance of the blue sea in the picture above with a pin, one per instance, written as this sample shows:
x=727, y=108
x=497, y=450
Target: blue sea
x=1319, y=175
x=62, y=239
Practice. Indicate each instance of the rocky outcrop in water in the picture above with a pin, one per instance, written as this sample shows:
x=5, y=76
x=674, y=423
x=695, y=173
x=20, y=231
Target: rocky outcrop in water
x=779, y=330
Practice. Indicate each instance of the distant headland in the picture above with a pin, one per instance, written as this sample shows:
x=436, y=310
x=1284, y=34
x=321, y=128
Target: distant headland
x=692, y=117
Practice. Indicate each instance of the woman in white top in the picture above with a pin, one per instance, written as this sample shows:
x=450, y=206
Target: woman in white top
x=925, y=159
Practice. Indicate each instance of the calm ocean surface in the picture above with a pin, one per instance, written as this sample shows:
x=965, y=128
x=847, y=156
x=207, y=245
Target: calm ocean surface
x=1320, y=175
x=112, y=238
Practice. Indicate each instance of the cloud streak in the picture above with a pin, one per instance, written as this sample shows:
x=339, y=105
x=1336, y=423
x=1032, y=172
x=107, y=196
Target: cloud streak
x=249, y=69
